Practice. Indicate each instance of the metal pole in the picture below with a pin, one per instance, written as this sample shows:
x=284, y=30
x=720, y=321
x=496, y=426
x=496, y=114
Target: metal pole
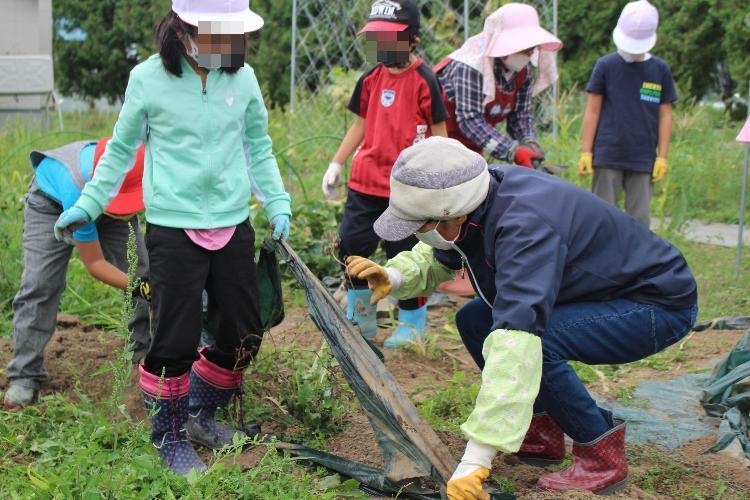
x=466, y=20
x=556, y=87
x=293, y=79
x=743, y=199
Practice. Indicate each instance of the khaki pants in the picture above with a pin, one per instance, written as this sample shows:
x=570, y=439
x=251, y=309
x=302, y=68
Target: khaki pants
x=639, y=189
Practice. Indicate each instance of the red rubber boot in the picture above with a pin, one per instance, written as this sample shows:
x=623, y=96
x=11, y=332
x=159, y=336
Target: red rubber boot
x=544, y=443
x=599, y=466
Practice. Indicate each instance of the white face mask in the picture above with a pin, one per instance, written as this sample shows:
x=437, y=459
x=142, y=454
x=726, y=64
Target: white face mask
x=207, y=61
x=631, y=58
x=516, y=62
x=435, y=239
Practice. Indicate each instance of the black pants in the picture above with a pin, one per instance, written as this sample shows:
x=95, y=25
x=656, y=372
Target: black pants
x=359, y=238
x=180, y=271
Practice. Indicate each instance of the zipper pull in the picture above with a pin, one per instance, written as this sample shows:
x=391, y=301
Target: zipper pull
x=463, y=268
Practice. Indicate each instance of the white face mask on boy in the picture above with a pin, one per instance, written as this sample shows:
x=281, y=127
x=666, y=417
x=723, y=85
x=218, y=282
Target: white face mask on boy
x=435, y=239
x=631, y=58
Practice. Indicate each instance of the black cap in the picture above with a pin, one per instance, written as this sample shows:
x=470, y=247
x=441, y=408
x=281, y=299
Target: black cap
x=386, y=15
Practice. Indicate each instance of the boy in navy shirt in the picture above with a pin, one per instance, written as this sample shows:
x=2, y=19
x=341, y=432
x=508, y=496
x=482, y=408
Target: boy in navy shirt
x=629, y=115
x=398, y=103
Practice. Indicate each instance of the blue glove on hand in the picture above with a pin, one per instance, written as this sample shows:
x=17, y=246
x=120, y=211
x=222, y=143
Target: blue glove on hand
x=69, y=221
x=281, y=225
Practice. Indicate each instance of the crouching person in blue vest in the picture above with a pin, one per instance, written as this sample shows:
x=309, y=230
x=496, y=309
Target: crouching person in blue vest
x=60, y=175
x=561, y=275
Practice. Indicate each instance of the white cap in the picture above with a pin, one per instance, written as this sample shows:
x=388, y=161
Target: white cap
x=636, y=30
x=227, y=17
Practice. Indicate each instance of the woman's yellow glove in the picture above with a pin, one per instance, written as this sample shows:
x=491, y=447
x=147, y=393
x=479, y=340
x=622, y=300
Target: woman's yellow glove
x=375, y=274
x=469, y=487
x=661, y=167
x=586, y=164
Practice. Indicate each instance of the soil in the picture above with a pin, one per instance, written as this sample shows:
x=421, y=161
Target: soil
x=77, y=352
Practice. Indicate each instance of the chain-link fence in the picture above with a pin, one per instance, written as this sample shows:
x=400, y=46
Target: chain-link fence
x=327, y=59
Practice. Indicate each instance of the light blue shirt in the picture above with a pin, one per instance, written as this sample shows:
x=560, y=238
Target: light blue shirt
x=55, y=181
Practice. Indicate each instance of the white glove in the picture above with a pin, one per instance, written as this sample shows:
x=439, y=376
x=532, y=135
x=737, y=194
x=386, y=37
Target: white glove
x=331, y=180
x=476, y=456
x=472, y=472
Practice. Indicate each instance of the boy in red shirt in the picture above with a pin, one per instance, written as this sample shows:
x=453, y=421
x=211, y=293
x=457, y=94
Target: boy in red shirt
x=398, y=103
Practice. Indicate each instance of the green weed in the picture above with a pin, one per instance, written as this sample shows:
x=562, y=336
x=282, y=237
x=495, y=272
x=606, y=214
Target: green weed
x=625, y=396
x=448, y=407
x=667, y=476
x=301, y=390
x=438, y=344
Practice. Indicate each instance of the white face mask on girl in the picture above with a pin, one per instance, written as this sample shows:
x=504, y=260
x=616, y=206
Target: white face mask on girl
x=435, y=239
x=207, y=61
x=516, y=62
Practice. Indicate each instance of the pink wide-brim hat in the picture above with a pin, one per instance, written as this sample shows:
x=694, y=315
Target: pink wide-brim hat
x=226, y=17
x=521, y=31
x=745, y=133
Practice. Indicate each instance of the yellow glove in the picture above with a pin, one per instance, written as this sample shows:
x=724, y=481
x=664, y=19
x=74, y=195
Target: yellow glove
x=661, y=167
x=375, y=274
x=586, y=164
x=469, y=487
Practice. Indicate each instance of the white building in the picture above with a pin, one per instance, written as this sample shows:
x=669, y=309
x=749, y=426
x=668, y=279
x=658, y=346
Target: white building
x=26, y=70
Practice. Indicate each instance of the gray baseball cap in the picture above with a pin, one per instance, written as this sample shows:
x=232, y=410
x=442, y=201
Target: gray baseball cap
x=436, y=179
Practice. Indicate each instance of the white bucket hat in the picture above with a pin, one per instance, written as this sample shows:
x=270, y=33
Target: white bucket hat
x=636, y=30
x=226, y=17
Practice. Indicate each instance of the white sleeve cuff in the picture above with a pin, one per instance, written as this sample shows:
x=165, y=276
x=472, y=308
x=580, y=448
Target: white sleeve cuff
x=479, y=454
x=395, y=277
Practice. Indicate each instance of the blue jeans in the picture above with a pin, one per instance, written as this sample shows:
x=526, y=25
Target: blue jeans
x=595, y=333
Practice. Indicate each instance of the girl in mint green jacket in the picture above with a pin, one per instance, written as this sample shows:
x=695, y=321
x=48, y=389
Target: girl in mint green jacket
x=198, y=108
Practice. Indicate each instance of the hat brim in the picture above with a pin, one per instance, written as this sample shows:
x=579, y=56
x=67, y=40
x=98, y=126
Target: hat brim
x=232, y=24
x=127, y=203
x=381, y=26
x=517, y=40
x=633, y=45
x=392, y=228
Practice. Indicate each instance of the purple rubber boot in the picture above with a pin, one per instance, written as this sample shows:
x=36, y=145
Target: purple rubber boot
x=166, y=400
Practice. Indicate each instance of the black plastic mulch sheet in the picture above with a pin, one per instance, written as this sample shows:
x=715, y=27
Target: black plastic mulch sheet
x=417, y=463
x=727, y=395
x=269, y=284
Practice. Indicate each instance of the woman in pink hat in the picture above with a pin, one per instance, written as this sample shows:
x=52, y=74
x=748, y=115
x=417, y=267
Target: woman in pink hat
x=199, y=108
x=490, y=80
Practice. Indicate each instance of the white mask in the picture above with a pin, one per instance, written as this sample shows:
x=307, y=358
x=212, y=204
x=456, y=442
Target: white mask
x=516, y=62
x=207, y=61
x=631, y=58
x=435, y=239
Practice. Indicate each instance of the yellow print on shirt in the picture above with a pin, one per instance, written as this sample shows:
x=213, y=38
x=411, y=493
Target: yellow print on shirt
x=651, y=92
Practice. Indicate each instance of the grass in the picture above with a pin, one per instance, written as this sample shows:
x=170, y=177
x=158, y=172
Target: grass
x=44, y=456
x=668, y=476
x=449, y=406
x=108, y=454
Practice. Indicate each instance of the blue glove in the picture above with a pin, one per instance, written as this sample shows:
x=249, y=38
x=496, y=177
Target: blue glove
x=70, y=220
x=281, y=225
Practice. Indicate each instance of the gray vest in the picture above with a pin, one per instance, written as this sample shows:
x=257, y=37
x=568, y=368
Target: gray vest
x=69, y=155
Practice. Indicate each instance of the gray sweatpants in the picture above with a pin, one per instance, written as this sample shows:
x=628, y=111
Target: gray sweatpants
x=43, y=282
x=608, y=183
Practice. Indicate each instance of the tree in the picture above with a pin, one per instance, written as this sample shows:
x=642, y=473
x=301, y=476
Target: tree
x=118, y=34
